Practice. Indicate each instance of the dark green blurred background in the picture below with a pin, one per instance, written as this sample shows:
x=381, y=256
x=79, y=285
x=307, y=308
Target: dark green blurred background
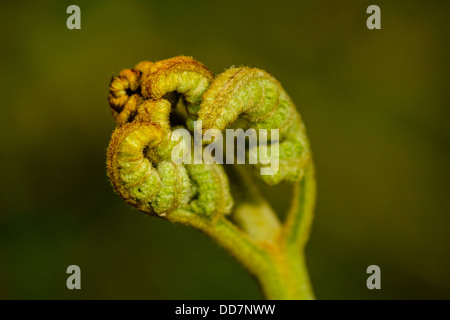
x=375, y=103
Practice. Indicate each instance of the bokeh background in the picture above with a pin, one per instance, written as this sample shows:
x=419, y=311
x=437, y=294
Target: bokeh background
x=375, y=103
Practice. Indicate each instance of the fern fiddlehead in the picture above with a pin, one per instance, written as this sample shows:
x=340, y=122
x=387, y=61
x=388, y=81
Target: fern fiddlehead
x=141, y=171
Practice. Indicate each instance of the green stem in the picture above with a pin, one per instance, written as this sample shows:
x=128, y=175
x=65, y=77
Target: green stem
x=288, y=278
x=300, y=216
x=280, y=271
